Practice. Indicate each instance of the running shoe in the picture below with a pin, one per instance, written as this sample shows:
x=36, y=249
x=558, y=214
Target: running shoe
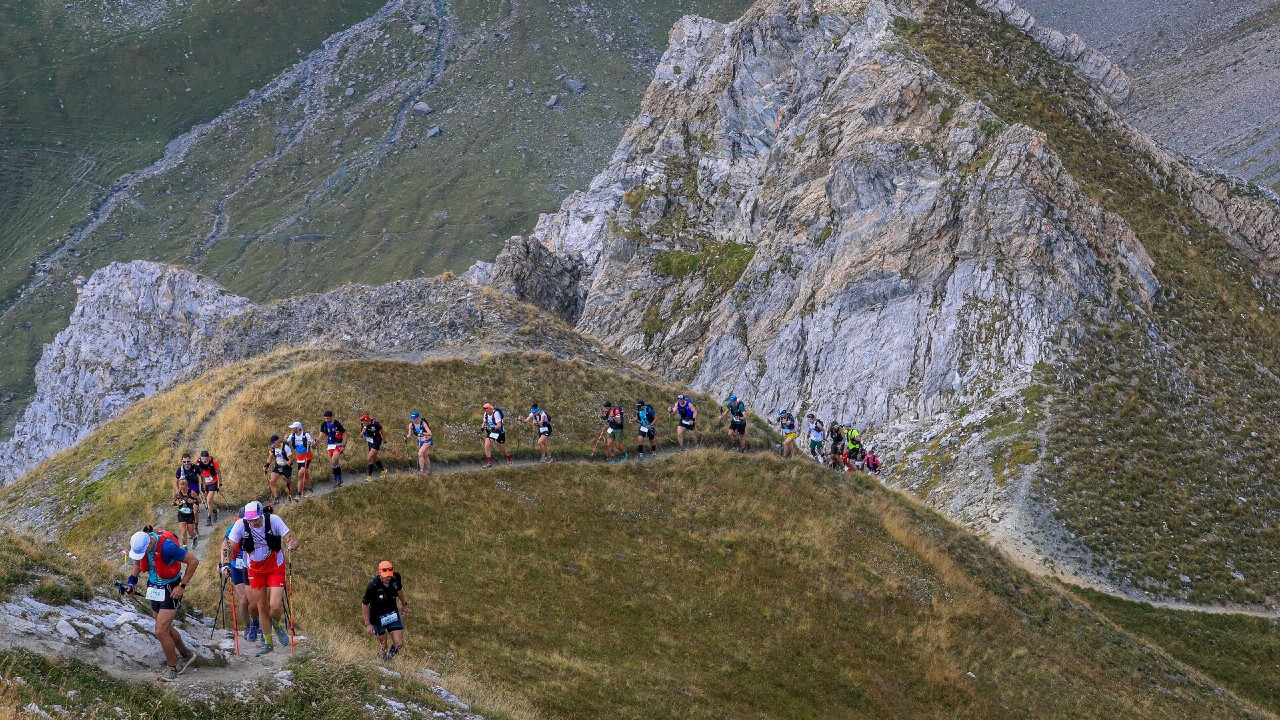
x=264, y=650
x=253, y=631
x=281, y=632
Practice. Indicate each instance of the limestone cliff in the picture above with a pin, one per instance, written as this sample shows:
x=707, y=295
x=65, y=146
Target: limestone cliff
x=140, y=327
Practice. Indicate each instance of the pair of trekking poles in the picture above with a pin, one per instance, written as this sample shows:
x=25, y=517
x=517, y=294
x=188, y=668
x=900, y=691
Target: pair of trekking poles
x=235, y=623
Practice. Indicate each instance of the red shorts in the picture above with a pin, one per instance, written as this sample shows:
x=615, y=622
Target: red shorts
x=303, y=459
x=334, y=450
x=268, y=573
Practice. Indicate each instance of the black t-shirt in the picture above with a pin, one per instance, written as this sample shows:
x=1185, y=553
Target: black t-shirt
x=380, y=598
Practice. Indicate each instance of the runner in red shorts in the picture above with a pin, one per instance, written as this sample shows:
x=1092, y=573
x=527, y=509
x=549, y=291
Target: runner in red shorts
x=264, y=537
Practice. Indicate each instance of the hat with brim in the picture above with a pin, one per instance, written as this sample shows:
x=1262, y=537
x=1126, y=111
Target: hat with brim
x=138, y=545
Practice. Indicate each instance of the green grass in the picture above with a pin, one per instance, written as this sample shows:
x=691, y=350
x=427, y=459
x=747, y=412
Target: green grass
x=706, y=585
x=241, y=405
x=44, y=569
x=322, y=688
x=427, y=206
x=1239, y=651
x=1161, y=421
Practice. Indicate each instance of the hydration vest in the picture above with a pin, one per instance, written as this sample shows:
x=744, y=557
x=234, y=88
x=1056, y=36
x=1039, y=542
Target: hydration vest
x=685, y=409
x=646, y=415
x=281, y=455
x=492, y=419
x=154, y=561
x=301, y=443
x=332, y=431
x=273, y=540
x=615, y=417
x=419, y=428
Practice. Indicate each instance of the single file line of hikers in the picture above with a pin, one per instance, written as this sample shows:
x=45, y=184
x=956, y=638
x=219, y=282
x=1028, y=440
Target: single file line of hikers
x=253, y=552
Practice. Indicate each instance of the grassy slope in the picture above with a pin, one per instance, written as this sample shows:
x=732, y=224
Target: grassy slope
x=704, y=586
x=322, y=689
x=1241, y=652
x=232, y=411
x=491, y=172
x=1160, y=443
x=81, y=106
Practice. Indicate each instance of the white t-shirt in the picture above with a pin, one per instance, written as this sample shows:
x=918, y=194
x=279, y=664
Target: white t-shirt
x=259, y=535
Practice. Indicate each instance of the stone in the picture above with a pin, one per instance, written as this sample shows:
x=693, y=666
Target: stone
x=436, y=131
x=64, y=628
x=422, y=108
x=418, y=29
x=349, y=92
x=553, y=101
x=577, y=87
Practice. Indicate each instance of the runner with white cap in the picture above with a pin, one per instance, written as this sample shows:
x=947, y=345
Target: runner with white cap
x=161, y=556
x=263, y=536
x=301, y=443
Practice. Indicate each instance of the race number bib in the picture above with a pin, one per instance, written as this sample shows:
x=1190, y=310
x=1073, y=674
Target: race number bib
x=155, y=594
x=240, y=564
x=390, y=618
x=494, y=435
x=687, y=423
x=544, y=430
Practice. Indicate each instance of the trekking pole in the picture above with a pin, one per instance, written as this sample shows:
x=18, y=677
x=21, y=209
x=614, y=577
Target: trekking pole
x=235, y=622
x=222, y=596
x=596, y=447
x=288, y=586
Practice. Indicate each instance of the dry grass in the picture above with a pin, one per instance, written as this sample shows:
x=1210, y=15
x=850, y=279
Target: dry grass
x=705, y=586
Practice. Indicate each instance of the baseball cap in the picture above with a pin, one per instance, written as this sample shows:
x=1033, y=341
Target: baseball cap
x=414, y=415
x=732, y=398
x=488, y=406
x=138, y=545
x=252, y=510
x=608, y=404
x=365, y=418
x=296, y=425
x=386, y=568
x=274, y=438
x=679, y=397
x=204, y=453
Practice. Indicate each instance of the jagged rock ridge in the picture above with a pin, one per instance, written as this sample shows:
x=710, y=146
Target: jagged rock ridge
x=141, y=327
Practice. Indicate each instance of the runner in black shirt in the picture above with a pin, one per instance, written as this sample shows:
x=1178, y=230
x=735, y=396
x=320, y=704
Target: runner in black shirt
x=371, y=431
x=381, y=616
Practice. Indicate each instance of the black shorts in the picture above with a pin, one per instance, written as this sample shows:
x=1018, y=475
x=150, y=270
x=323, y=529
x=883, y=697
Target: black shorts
x=501, y=439
x=645, y=433
x=688, y=423
x=188, y=518
x=169, y=603
x=545, y=431
x=374, y=445
x=738, y=426
x=282, y=470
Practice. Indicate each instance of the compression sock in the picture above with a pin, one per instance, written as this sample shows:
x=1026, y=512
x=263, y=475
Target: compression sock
x=379, y=466
x=337, y=474
x=370, y=470
x=640, y=448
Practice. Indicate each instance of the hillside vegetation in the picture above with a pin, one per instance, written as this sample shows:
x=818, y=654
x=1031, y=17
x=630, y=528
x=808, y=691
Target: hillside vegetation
x=121, y=477
x=1160, y=433
x=705, y=586
x=313, y=186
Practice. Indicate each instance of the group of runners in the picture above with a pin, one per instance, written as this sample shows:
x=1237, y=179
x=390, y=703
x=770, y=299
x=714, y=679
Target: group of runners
x=253, y=560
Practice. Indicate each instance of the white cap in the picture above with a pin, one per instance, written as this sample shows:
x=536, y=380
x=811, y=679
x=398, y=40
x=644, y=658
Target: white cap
x=138, y=545
x=252, y=510
x=296, y=425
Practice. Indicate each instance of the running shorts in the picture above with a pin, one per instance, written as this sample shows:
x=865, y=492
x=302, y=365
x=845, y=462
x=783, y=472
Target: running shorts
x=267, y=573
x=334, y=449
x=738, y=426
x=646, y=432
x=283, y=470
x=499, y=437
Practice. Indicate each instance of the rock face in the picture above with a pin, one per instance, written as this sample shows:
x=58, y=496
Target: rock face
x=804, y=217
x=140, y=327
x=136, y=327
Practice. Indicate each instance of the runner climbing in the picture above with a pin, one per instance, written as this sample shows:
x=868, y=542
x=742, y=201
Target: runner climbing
x=263, y=536
x=158, y=553
x=335, y=437
x=645, y=416
x=787, y=424
x=737, y=432
x=817, y=433
x=495, y=431
x=210, y=475
x=688, y=415
x=187, y=512
x=301, y=442
x=542, y=421
x=371, y=431
x=186, y=479
x=836, y=433
x=418, y=428
x=382, y=617
x=614, y=423
x=873, y=462
x=278, y=466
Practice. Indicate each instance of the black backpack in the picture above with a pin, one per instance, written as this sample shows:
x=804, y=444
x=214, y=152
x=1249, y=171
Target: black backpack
x=273, y=541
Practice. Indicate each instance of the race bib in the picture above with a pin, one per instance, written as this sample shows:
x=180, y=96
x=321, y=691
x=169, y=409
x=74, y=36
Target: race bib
x=240, y=564
x=611, y=431
x=333, y=446
x=390, y=618
x=494, y=435
x=370, y=441
x=686, y=423
x=643, y=429
x=155, y=594
x=544, y=430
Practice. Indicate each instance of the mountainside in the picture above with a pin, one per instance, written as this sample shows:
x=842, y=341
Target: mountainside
x=283, y=161
x=917, y=218
x=1205, y=73
x=139, y=328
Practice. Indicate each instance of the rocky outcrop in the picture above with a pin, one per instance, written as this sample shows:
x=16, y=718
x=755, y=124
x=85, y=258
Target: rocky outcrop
x=806, y=217
x=1104, y=75
x=140, y=327
x=136, y=327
